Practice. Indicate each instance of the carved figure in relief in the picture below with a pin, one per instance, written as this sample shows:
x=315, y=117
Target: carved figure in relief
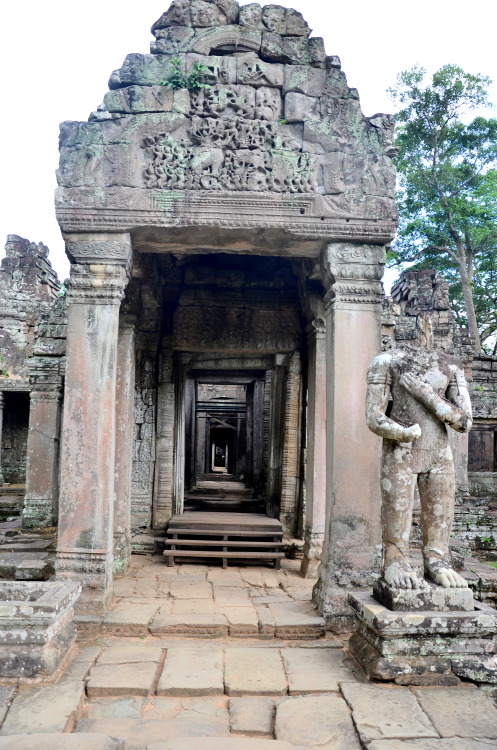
x=268, y=104
x=251, y=15
x=274, y=18
x=413, y=395
x=205, y=14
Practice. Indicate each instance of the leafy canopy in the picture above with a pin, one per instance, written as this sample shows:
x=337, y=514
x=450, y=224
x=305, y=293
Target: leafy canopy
x=448, y=187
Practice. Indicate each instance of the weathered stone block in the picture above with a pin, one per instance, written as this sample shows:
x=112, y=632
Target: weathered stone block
x=36, y=627
x=436, y=598
x=256, y=72
x=319, y=721
x=303, y=79
x=299, y=107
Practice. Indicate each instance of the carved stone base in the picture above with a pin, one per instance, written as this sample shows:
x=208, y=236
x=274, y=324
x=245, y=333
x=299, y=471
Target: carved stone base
x=37, y=513
x=37, y=630
x=434, y=599
x=313, y=547
x=424, y=647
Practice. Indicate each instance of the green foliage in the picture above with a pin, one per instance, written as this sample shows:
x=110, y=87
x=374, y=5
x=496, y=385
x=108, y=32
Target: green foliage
x=194, y=81
x=3, y=371
x=448, y=188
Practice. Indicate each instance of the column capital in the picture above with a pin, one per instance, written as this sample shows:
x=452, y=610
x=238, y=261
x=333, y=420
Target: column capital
x=105, y=248
x=97, y=283
x=352, y=273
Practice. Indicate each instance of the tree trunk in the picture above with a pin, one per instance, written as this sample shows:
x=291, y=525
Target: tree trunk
x=470, y=307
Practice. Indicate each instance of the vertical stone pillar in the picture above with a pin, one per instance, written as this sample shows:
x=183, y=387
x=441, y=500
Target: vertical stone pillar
x=179, y=432
x=99, y=275
x=352, y=546
x=275, y=436
x=290, y=465
x=42, y=466
x=125, y=394
x=315, y=509
x=258, y=438
x=164, y=462
x=1, y=431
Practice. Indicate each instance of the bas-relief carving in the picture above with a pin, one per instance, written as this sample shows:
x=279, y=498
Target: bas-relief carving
x=413, y=395
x=343, y=156
x=236, y=329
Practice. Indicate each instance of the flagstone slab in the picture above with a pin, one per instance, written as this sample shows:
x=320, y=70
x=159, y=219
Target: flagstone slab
x=50, y=708
x=231, y=596
x=433, y=744
x=250, y=671
x=190, y=625
x=128, y=707
x=319, y=722
x=192, y=607
x=296, y=620
x=129, y=654
x=45, y=740
x=130, y=619
x=192, y=671
x=136, y=678
x=386, y=712
x=138, y=734
x=190, y=589
x=184, y=709
x=252, y=715
x=243, y=621
x=223, y=743
x=472, y=713
x=314, y=670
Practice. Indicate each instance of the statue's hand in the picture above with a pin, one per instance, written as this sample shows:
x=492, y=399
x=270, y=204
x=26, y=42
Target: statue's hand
x=411, y=433
x=416, y=386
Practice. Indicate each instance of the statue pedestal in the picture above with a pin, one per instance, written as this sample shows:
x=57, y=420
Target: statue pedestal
x=424, y=647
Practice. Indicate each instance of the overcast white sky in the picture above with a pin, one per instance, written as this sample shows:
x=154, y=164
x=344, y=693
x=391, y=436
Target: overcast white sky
x=56, y=57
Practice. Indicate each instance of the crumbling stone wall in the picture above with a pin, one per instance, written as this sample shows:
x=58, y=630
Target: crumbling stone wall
x=28, y=284
x=482, y=463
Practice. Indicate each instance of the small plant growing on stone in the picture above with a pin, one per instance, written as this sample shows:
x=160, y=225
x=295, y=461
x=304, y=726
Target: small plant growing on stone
x=193, y=82
x=3, y=371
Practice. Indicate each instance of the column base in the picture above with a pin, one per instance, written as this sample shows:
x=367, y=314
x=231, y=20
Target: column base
x=37, y=513
x=93, y=570
x=423, y=647
x=313, y=547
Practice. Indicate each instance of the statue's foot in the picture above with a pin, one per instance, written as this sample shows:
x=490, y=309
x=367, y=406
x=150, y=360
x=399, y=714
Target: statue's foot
x=399, y=575
x=440, y=570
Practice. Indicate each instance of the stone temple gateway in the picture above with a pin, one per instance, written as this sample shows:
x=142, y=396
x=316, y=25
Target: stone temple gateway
x=225, y=211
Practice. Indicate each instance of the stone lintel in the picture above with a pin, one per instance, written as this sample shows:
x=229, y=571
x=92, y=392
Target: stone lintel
x=436, y=598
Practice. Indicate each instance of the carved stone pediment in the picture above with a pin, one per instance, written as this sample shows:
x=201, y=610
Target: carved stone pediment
x=231, y=101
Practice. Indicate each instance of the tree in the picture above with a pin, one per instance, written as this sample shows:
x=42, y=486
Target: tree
x=448, y=188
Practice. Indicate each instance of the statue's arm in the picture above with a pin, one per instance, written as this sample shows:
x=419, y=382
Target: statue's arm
x=455, y=410
x=377, y=398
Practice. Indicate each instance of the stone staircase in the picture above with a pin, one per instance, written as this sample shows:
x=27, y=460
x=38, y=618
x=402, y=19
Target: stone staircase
x=213, y=493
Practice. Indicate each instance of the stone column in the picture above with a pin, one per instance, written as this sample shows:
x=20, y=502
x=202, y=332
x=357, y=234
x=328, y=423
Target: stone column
x=99, y=275
x=1, y=430
x=315, y=508
x=275, y=436
x=42, y=466
x=179, y=432
x=290, y=465
x=164, y=455
x=352, y=546
x=125, y=395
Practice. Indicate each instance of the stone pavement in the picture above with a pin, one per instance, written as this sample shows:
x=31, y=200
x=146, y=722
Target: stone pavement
x=283, y=685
